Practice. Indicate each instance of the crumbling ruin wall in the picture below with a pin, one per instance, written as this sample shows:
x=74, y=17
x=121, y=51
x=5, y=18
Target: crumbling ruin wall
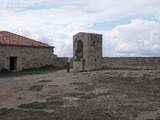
x=87, y=51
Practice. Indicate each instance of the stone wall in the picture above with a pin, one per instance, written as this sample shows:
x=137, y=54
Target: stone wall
x=87, y=51
x=119, y=62
x=131, y=62
x=60, y=62
x=27, y=57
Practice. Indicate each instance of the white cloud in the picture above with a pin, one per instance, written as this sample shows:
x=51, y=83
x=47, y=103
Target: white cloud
x=56, y=21
x=139, y=38
x=57, y=26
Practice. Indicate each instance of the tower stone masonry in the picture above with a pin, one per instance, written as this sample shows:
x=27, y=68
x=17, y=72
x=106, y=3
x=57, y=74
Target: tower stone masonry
x=87, y=51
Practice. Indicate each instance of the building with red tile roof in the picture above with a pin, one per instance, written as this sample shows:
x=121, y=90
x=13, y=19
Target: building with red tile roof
x=18, y=52
x=8, y=38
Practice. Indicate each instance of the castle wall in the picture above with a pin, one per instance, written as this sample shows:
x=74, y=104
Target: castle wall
x=118, y=62
x=131, y=62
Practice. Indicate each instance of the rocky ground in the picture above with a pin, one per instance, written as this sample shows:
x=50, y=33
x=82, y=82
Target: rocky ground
x=97, y=95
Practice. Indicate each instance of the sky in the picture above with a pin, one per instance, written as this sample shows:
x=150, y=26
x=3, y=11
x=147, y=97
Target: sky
x=129, y=27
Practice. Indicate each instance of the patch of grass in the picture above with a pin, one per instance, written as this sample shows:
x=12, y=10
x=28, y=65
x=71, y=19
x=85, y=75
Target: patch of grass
x=13, y=114
x=4, y=72
x=82, y=86
x=55, y=102
x=41, y=70
x=92, y=95
x=85, y=96
x=63, y=114
x=36, y=88
x=51, y=103
x=86, y=112
x=34, y=105
x=44, y=81
x=74, y=94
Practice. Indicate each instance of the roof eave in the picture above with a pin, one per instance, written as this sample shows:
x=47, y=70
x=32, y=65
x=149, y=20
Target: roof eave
x=27, y=46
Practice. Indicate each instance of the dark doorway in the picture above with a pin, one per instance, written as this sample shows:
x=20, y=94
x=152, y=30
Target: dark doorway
x=79, y=51
x=13, y=63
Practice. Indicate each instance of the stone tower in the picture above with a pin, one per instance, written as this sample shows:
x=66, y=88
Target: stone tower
x=87, y=51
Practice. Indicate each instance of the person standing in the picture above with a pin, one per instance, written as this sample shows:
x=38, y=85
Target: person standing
x=83, y=65
x=68, y=64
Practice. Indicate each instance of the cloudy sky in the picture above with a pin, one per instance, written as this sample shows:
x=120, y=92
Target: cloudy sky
x=129, y=27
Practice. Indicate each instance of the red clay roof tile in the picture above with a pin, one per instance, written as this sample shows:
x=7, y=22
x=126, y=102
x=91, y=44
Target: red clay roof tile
x=9, y=38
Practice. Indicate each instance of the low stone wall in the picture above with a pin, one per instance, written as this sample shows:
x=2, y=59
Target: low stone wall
x=131, y=62
x=119, y=62
x=60, y=61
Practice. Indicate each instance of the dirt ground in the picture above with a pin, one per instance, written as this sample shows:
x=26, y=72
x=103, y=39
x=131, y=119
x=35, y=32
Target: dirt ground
x=96, y=95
